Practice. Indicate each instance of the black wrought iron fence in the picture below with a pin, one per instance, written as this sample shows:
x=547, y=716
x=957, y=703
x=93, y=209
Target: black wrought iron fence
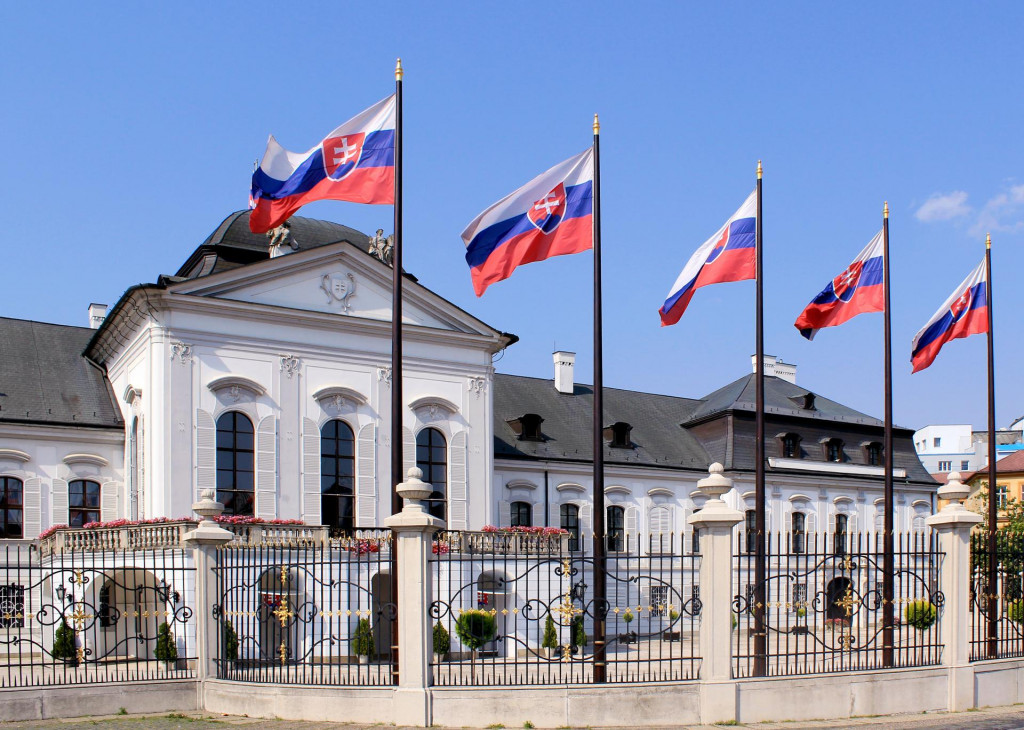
x=823, y=607
x=306, y=612
x=997, y=614
x=113, y=615
x=519, y=609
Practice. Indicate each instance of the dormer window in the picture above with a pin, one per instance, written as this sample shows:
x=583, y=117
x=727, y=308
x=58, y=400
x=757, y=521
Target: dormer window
x=873, y=453
x=527, y=427
x=833, y=450
x=618, y=435
x=805, y=401
x=789, y=445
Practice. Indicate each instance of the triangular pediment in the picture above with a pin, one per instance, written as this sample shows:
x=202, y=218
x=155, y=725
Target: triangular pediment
x=335, y=279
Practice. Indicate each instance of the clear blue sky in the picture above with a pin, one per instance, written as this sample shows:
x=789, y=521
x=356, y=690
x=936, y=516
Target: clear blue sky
x=131, y=130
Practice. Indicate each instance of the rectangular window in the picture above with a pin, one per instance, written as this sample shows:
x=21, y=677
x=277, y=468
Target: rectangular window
x=965, y=465
x=936, y=442
x=751, y=530
x=1002, y=491
x=945, y=466
x=12, y=606
x=799, y=595
x=659, y=600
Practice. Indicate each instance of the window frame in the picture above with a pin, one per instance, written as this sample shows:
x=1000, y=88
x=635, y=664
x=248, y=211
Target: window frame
x=346, y=520
x=516, y=510
x=750, y=531
x=230, y=486
x=615, y=528
x=7, y=507
x=569, y=520
x=79, y=515
x=841, y=523
x=798, y=533
x=437, y=503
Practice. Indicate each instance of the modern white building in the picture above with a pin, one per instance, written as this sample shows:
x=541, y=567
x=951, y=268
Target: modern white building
x=266, y=377
x=956, y=447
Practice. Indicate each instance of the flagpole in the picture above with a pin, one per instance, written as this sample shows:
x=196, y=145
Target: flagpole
x=760, y=577
x=600, y=579
x=397, y=404
x=993, y=490
x=888, y=558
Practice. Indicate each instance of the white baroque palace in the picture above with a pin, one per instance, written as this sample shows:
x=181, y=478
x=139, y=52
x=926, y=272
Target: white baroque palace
x=265, y=375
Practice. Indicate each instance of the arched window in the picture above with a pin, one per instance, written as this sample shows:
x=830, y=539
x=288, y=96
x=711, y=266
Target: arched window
x=570, y=520
x=751, y=530
x=615, y=528
x=522, y=514
x=432, y=458
x=840, y=534
x=83, y=502
x=11, y=508
x=133, y=470
x=799, y=531
x=337, y=472
x=235, y=464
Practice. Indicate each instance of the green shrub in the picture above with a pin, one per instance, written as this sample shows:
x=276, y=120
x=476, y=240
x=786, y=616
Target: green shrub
x=442, y=640
x=475, y=628
x=64, y=643
x=735, y=621
x=628, y=616
x=801, y=612
x=362, y=641
x=228, y=641
x=579, y=634
x=673, y=615
x=1016, y=611
x=165, y=651
x=920, y=614
x=550, y=639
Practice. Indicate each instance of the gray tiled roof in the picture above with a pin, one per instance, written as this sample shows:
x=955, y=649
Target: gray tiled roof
x=780, y=398
x=657, y=436
x=45, y=380
x=232, y=244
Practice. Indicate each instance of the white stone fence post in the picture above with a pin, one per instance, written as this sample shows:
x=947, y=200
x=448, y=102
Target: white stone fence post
x=414, y=530
x=954, y=523
x=716, y=522
x=204, y=540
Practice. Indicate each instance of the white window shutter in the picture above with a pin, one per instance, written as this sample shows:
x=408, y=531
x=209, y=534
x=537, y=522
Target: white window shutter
x=206, y=453
x=504, y=513
x=632, y=528
x=141, y=487
x=408, y=454
x=366, y=477
x=109, y=501
x=33, y=508
x=310, y=472
x=59, y=513
x=266, y=468
x=457, y=482
x=586, y=524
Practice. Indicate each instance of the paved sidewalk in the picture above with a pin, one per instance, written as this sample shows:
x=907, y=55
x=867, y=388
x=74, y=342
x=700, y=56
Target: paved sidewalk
x=997, y=718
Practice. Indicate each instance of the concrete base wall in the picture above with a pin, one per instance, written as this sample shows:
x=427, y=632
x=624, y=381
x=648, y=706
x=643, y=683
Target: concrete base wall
x=364, y=705
x=999, y=682
x=81, y=700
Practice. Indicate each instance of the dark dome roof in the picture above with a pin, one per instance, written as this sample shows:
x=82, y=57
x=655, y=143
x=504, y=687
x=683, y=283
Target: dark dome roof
x=232, y=244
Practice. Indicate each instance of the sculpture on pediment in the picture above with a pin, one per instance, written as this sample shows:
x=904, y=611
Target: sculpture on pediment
x=381, y=247
x=281, y=241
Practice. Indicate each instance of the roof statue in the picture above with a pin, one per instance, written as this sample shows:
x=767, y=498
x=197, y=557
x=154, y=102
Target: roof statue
x=281, y=241
x=381, y=247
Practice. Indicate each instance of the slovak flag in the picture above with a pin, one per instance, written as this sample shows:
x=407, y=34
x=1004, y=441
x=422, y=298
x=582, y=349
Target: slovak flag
x=355, y=162
x=729, y=255
x=552, y=215
x=855, y=291
x=965, y=313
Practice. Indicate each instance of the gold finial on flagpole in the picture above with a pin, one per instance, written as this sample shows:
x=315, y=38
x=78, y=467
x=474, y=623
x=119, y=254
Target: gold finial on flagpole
x=759, y=170
x=885, y=210
x=988, y=240
x=597, y=125
x=398, y=70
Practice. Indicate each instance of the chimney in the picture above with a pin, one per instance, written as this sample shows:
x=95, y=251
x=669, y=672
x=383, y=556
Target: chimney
x=97, y=313
x=774, y=366
x=564, y=364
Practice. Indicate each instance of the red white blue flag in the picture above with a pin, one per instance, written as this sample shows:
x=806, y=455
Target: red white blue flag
x=729, y=255
x=552, y=215
x=965, y=313
x=855, y=291
x=355, y=162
